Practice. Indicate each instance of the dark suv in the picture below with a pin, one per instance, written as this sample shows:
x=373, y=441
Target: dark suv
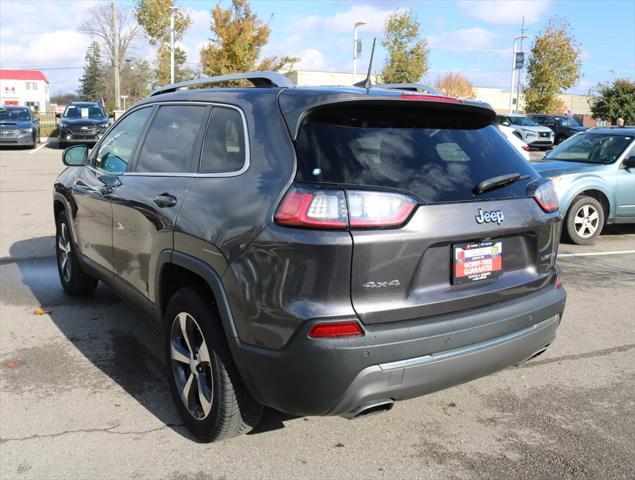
x=320, y=251
x=81, y=122
x=562, y=125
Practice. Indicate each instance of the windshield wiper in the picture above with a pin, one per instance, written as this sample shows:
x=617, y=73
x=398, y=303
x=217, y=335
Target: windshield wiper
x=497, y=182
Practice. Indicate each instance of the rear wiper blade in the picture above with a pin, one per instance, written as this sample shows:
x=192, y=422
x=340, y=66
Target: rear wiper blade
x=497, y=182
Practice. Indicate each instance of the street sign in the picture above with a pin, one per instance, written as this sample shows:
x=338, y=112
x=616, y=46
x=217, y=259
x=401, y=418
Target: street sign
x=520, y=60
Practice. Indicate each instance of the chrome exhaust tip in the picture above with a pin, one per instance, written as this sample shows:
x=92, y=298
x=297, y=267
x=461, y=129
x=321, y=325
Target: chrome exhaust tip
x=372, y=408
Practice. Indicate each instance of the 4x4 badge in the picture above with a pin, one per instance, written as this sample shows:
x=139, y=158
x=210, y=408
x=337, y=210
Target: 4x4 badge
x=491, y=216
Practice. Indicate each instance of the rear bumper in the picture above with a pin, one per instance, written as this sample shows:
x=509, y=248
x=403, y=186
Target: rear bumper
x=428, y=373
x=397, y=362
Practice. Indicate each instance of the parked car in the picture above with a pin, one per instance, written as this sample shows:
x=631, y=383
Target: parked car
x=528, y=131
x=562, y=125
x=81, y=122
x=518, y=144
x=19, y=126
x=317, y=250
x=594, y=177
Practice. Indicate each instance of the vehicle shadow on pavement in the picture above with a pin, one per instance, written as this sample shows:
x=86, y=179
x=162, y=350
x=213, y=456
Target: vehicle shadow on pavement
x=106, y=331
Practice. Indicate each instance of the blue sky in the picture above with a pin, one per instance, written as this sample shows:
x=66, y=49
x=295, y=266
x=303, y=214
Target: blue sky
x=472, y=37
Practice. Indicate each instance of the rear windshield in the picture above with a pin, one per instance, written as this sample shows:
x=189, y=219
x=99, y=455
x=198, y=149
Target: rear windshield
x=436, y=155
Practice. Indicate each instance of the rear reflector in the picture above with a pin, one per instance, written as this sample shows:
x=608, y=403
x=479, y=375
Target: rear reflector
x=430, y=98
x=546, y=197
x=526, y=148
x=339, y=329
x=333, y=209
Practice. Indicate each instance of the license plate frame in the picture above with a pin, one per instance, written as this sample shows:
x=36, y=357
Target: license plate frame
x=474, y=262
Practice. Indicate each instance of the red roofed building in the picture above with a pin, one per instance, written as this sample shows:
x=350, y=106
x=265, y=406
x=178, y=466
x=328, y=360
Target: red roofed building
x=24, y=87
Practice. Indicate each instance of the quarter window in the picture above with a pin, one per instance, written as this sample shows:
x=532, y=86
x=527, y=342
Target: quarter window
x=171, y=140
x=117, y=148
x=224, y=148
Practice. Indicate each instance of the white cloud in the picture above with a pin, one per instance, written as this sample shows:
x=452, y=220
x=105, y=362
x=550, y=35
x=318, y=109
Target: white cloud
x=467, y=39
x=342, y=22
x=505, y=11
x=311, y=59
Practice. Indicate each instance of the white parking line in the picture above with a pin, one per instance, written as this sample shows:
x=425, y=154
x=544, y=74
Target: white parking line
x=590, y=254
x=31, y=152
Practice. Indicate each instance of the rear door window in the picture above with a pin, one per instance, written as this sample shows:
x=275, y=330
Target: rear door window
x=224, y=144
x=439, y=156
x=172, y=139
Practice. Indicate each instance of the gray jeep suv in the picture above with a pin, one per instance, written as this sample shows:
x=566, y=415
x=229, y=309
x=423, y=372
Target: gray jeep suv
x=319, y=251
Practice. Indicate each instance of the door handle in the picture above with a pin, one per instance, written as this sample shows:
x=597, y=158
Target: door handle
x=164, y=200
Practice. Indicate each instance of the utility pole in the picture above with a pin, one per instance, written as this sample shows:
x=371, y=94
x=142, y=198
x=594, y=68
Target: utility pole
x=115, y=43
x=356, y=48
x=522, y=37
x=172, y=11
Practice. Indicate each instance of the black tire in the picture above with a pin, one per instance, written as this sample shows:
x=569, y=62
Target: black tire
x=74, y=280
x=585, y=220
x=60, y=143
x=230, y=409
x=35, y=141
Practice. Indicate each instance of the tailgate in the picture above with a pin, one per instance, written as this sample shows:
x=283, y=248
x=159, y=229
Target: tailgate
x=408, y=273
x=473, y=193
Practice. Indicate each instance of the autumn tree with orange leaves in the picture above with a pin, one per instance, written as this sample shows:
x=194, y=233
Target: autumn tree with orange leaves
x=238, y=36
x=455, y=85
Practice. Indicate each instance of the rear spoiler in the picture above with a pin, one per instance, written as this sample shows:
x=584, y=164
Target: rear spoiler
x=296, y=110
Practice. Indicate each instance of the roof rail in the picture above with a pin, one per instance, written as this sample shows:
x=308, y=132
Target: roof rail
x=259, y=79
x=413, y=87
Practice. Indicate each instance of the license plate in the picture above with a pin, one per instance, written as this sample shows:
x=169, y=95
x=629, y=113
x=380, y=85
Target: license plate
x=476, y=261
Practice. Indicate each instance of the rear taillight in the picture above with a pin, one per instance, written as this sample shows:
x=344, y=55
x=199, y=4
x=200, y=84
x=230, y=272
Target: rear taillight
x=338, y=329
x=313, y=209
x=338, y=209
x=526, y=148
x=378, y=209
x=546, y=197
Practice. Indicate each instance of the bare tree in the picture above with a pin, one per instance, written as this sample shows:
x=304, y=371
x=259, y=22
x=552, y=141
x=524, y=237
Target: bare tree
x=116, y=29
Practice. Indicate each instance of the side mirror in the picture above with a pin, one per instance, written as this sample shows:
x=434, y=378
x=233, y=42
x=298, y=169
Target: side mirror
x=58, y=115
x=75, y=156
x=629, y=162
x=506, y=124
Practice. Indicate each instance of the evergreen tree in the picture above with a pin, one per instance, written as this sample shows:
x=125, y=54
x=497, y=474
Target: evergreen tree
x=91, y=83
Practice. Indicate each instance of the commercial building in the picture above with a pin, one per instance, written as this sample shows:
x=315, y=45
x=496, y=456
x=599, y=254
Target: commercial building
x=28, y=88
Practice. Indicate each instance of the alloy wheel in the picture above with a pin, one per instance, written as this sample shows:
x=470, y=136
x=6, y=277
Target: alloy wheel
x=586, y=221
x=64, y=252
x=191, y=366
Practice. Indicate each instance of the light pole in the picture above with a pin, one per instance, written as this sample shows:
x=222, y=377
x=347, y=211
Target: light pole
x=117, y=66
x=356, y=48
x=173, y=10
x=511, y=89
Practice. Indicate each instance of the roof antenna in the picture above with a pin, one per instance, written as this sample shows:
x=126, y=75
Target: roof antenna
x=366, y=83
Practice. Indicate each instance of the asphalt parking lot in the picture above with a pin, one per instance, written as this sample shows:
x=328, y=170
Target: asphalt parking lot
x=83, y=395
